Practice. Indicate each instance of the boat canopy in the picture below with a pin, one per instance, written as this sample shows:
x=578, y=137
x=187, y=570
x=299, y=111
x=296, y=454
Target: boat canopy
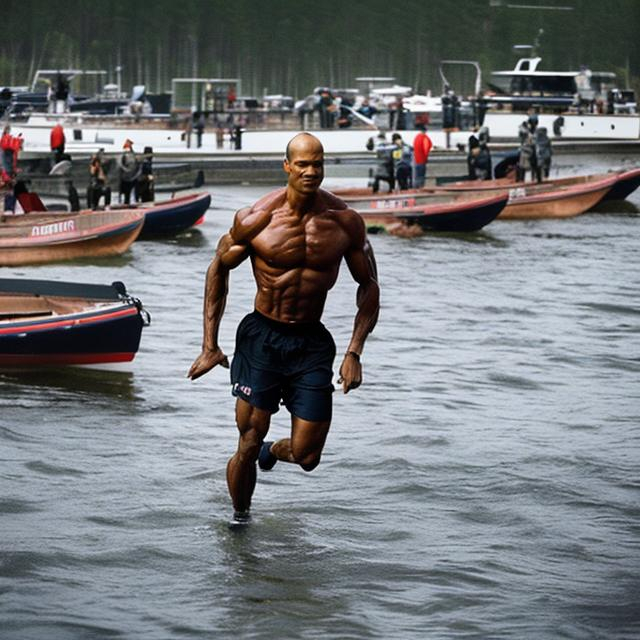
x=115, y=291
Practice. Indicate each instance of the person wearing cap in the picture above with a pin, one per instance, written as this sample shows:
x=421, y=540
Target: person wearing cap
x=401, y=154
x=129, y=170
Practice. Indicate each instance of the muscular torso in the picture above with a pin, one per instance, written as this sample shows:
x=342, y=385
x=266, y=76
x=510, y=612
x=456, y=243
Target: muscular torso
x=296, y=258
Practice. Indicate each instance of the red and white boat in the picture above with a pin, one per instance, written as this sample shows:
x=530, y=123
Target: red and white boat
x=37, y=238
x=48, y=323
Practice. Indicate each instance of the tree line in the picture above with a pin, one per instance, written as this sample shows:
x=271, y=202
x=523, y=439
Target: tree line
x=280, y=46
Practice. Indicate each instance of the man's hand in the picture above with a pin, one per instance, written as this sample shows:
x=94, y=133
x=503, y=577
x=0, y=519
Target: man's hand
x=350, y=372
x=206, y=361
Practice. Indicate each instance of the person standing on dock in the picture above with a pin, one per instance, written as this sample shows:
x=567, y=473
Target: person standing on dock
x=129, y=169
x=421, y=149
x=6, y=146
x=383, y=170
x=98, y=184
x=57, y=142
x=145, y=182
x=401, y=154
x=527, y=160
x=200, y=122
x=296, y=239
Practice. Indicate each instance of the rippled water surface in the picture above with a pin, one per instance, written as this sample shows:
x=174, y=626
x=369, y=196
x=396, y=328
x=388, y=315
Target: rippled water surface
x=483, y=482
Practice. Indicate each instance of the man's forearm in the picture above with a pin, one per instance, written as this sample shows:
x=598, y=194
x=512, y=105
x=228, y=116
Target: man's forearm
x=215, y=299
x=368, y=301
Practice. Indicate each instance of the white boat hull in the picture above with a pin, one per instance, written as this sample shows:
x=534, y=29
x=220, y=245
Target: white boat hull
x=575, y=127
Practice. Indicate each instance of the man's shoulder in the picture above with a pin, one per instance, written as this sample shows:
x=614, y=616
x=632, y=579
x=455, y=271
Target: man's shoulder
x=338, y=208
x=262, y=208
x=250, y=221
x=270, y=201
x=349, y=219
x=332, y=202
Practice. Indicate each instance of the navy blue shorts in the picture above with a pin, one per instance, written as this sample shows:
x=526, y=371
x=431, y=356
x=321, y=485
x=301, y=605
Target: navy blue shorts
x=278, y=362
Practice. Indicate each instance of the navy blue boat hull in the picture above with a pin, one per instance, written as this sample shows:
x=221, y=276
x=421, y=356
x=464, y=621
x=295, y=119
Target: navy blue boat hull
x=100, y=333
x=624, y=187
x=171, y=218
x=459, y=221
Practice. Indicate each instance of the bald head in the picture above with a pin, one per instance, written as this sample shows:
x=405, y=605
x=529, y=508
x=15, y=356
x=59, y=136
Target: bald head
x=303, y=142
x=304, y=164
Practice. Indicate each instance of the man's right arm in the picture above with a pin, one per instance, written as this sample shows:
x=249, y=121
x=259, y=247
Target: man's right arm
x=232, y=249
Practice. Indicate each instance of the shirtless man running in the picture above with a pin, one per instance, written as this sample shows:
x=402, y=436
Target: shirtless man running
x=296, y=238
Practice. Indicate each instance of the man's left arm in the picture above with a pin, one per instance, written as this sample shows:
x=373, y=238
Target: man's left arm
x=362, y=265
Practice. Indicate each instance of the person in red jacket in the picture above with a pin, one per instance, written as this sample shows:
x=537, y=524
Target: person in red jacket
x=10, y=147
x=421, y=148
x=57, y=141
x=7, y=154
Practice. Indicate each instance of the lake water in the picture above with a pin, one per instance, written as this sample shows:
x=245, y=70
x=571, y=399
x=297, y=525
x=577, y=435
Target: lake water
x=482, y=483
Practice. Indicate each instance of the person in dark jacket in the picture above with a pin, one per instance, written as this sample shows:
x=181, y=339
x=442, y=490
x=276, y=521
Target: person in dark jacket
x=199, y=124
x=145, y=183
x=402, y=155
x=384, y=165
x=527, y=161
x=543, y=153
x=98, y=184
x=129, y=170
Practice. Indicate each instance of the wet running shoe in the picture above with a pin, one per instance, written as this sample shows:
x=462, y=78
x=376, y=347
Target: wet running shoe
x=266, y=459
x=240, y=519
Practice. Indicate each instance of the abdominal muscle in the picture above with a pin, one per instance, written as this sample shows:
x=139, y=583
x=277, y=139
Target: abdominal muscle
x=296, y=295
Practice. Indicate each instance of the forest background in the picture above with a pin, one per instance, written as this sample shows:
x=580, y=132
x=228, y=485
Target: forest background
x=280, y=46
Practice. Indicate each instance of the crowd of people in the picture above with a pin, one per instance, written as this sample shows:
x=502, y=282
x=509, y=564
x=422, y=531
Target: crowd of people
x=135, y=177
x=227, y=127
x=402, y=166
x=398, y=163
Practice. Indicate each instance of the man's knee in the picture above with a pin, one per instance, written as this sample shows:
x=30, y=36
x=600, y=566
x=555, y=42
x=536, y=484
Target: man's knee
x=308, y=461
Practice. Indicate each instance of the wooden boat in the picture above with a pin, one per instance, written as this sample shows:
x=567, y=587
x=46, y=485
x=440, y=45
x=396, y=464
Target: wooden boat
x=51, y=237
x=627, y=181
x=439, y=214
x=173, y=216
x=48, y=323
x=558, y=202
